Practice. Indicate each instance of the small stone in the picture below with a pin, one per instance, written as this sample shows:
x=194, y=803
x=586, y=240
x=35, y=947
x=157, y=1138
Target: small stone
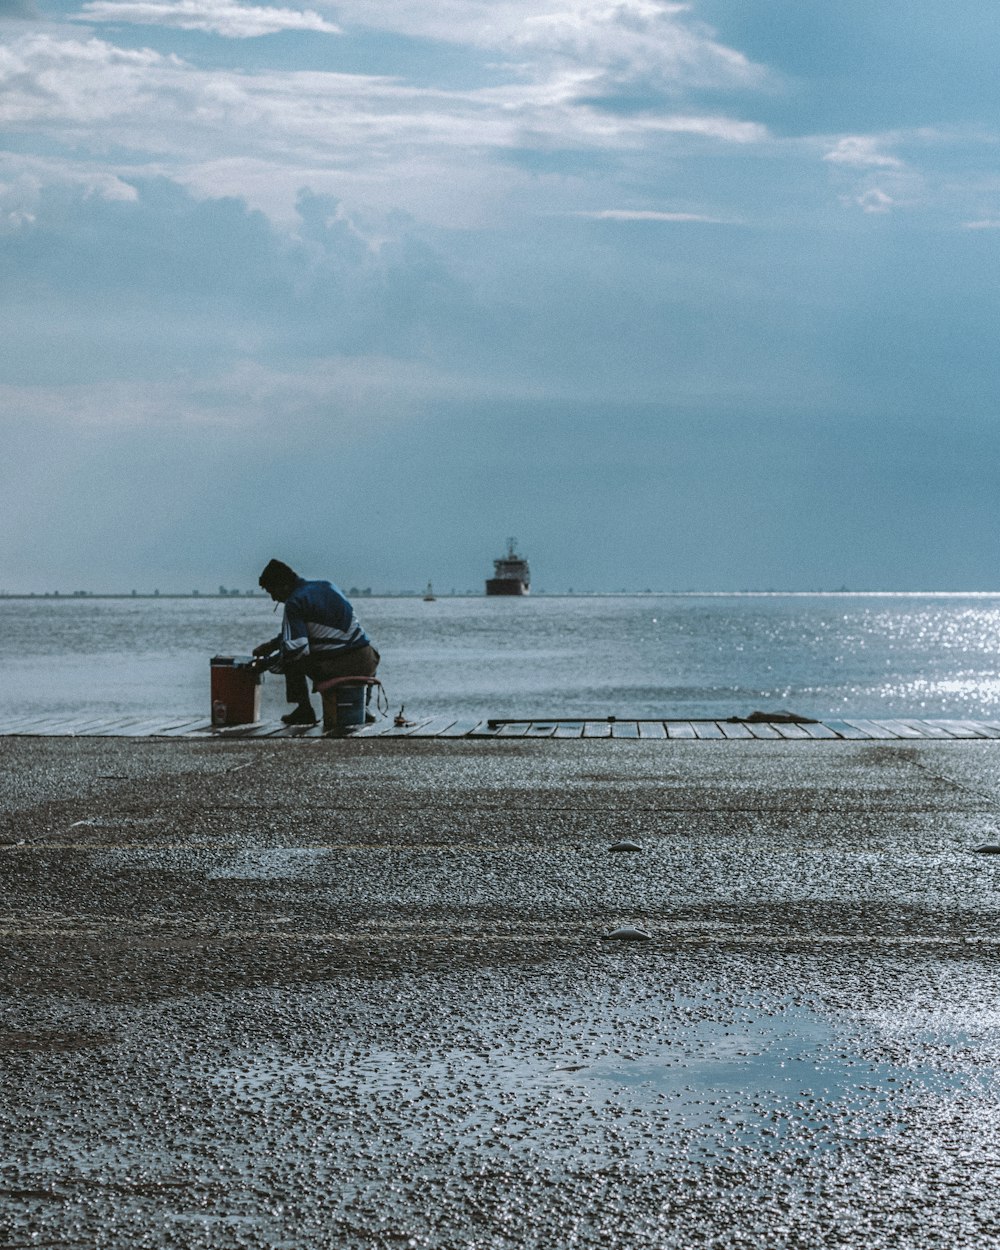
x=988, y=848
x=625, y=845
x=628, y=934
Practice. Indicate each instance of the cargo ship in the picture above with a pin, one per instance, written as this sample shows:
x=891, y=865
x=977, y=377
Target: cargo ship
x=510, y=574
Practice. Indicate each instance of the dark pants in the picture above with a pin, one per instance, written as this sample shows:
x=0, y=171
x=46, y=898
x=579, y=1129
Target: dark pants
x=361, y=662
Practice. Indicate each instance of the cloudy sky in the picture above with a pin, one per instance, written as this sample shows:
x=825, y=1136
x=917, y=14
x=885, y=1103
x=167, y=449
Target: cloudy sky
x=683, y=295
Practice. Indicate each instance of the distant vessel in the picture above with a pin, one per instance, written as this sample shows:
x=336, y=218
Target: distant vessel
x=510, y=574
x=429, y=595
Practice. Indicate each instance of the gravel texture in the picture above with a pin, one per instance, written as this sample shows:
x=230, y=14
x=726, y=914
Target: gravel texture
x=363, y=994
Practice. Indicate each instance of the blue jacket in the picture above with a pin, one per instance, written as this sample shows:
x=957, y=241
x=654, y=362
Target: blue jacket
x=319, y=622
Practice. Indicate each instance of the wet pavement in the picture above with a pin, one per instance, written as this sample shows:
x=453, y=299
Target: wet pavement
x=362, y=994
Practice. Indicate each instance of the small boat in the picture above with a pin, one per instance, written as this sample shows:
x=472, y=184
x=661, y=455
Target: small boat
x=429, y=595
x=510, y=574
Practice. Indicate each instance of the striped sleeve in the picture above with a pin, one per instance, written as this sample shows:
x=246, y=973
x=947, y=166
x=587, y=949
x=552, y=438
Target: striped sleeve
x=294, y=637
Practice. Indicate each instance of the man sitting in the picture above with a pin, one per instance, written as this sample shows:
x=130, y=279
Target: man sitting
x=320, y=638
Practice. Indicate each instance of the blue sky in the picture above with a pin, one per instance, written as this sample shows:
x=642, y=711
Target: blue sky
x=683, y=295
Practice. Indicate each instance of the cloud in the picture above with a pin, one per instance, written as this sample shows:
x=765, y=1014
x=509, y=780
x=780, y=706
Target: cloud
x=726, y=129
x=638, y=214
x=875, y=200
x=67, y=82
x=861, y=152
x=219, y=17
x=165, y=286
x=25, y=180
x=98, y=287
x=652, y=40
x=46, y=79
x=880, y=182
x=444, y=154
x=648, y=37
x=984, y=223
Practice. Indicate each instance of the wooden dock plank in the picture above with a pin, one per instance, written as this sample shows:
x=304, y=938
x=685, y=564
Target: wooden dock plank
x=257, y=729
x=462, y=727
x=850, y=732
x=45, y=729
x=174, y=724
x=115, y=726
x=170, y=729
x=88, y=726
x=392, y=730
x=432, y=728
x=450, y=726
x=43, y=726
x=14, y=724
x=374, y=730
x=413, y=728
x=137, y=729
x=981, y=728
x=93, y=726
x=119, y=727
x=196, y=727
x=963, y=728
x=873, y=728
x=926, y=729
x=377, y=730
x=899, y=728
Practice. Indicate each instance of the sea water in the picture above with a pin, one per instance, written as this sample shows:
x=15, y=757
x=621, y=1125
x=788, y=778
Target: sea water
x=823, y=655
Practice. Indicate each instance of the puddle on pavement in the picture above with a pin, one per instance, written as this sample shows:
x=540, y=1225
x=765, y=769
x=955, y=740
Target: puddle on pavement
x=758, y=1079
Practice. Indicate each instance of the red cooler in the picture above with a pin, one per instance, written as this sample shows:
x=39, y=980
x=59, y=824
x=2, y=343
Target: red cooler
x=235, y=690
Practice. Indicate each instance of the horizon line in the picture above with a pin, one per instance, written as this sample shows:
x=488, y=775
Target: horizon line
x=77, y=595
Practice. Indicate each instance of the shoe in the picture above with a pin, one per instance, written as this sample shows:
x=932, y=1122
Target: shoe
x=303, y=715
x=369, y=718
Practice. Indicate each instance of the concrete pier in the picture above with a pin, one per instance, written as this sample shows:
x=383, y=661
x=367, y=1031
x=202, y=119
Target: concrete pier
x=363, y=994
